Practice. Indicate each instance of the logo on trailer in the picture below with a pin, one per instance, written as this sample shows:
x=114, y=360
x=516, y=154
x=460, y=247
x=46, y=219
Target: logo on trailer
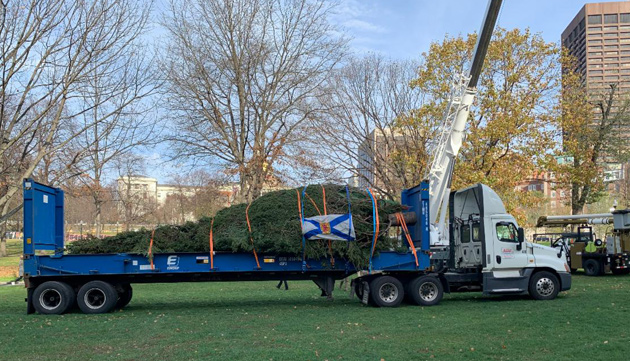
x=172, y=263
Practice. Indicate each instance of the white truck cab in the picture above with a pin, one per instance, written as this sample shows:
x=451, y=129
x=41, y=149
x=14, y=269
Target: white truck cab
x=486, y=241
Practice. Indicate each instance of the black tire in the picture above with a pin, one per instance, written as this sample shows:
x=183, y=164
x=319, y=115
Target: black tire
x=97, y=297
x=386, y=291
x=53, y=298
x=544, y=285
x=592, y=267
x=125, y=294
x=426, y=290
x=617, y=271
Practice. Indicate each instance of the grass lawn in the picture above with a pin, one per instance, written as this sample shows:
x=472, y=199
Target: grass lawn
x=256, y=321
x=9, y=265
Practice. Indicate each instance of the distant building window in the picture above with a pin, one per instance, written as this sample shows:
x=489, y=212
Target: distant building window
x=610, y=35
x=594, y=28
x=610, y=41
x=595, y=41
x=611, y=19
x=562, y=194
x=624, y=18
x=610, y=28
x=594, y=19
x=553, y=194
x=553, y=204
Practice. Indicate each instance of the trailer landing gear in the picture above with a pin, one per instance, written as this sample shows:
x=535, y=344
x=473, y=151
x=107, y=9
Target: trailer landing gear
x=327, y=285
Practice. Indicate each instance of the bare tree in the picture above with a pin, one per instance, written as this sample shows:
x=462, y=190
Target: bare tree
x=243, y=76
x=117, y=122
x=49, y=50
x=136, y=203
x=194, y=195
x=371, y=131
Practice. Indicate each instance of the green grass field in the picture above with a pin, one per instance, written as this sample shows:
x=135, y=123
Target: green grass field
x=256, y=321
x=9, y=265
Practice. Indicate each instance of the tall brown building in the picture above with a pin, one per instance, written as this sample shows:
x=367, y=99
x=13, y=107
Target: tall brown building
x=599, y=37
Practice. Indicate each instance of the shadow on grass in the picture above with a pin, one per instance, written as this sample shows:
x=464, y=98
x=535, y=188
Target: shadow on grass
x=264, y=304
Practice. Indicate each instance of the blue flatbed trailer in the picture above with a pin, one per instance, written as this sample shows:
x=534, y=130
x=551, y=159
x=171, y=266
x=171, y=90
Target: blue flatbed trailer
x=100, y=282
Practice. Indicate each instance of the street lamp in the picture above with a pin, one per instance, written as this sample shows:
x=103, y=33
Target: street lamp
x=614, y=207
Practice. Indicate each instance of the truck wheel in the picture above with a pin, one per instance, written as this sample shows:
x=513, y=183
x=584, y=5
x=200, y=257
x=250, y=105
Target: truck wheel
x=592, y=267
x=426, y=290
x=386, y=291
x=125, y=293
x=544, y=286
x=53, y=298
x=97, y=297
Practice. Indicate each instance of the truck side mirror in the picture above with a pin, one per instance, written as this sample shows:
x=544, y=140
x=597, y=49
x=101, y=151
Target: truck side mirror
x=521, y=238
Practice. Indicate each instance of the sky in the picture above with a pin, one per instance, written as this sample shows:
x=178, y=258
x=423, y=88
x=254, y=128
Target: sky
x=403, y=29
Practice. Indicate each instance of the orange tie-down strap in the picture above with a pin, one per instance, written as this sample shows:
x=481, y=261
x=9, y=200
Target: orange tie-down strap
x=313, y=203
x=403, y=224
x=249, y=227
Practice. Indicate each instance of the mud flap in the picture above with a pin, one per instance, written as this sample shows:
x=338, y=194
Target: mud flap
x=366, y=293
x=29, y=301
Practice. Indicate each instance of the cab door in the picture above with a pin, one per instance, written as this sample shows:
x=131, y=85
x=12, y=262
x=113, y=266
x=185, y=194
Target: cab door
x=508, y=260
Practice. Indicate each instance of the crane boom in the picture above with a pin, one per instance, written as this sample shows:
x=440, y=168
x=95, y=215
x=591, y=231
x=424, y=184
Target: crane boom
x=463, y=91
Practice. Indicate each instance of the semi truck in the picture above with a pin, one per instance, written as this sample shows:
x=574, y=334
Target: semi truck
x=481, y=246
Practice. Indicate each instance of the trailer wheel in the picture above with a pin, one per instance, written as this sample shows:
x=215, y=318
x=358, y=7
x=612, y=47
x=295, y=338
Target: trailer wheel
x=426, y=290
x=53, y=298
x=544, y=286
x=386, y=291
x=592, y=267
x=97, y=297
x=125, y=293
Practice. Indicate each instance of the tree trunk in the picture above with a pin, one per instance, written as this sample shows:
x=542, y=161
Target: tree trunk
x=98, y=218
x=3, y=245
x=3, y=229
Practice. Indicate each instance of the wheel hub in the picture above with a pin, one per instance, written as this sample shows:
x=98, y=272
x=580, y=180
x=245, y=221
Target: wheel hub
x=50, y=299
x=428, y=291
x=388, y=292
x=95, y=298
x=545, y=286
